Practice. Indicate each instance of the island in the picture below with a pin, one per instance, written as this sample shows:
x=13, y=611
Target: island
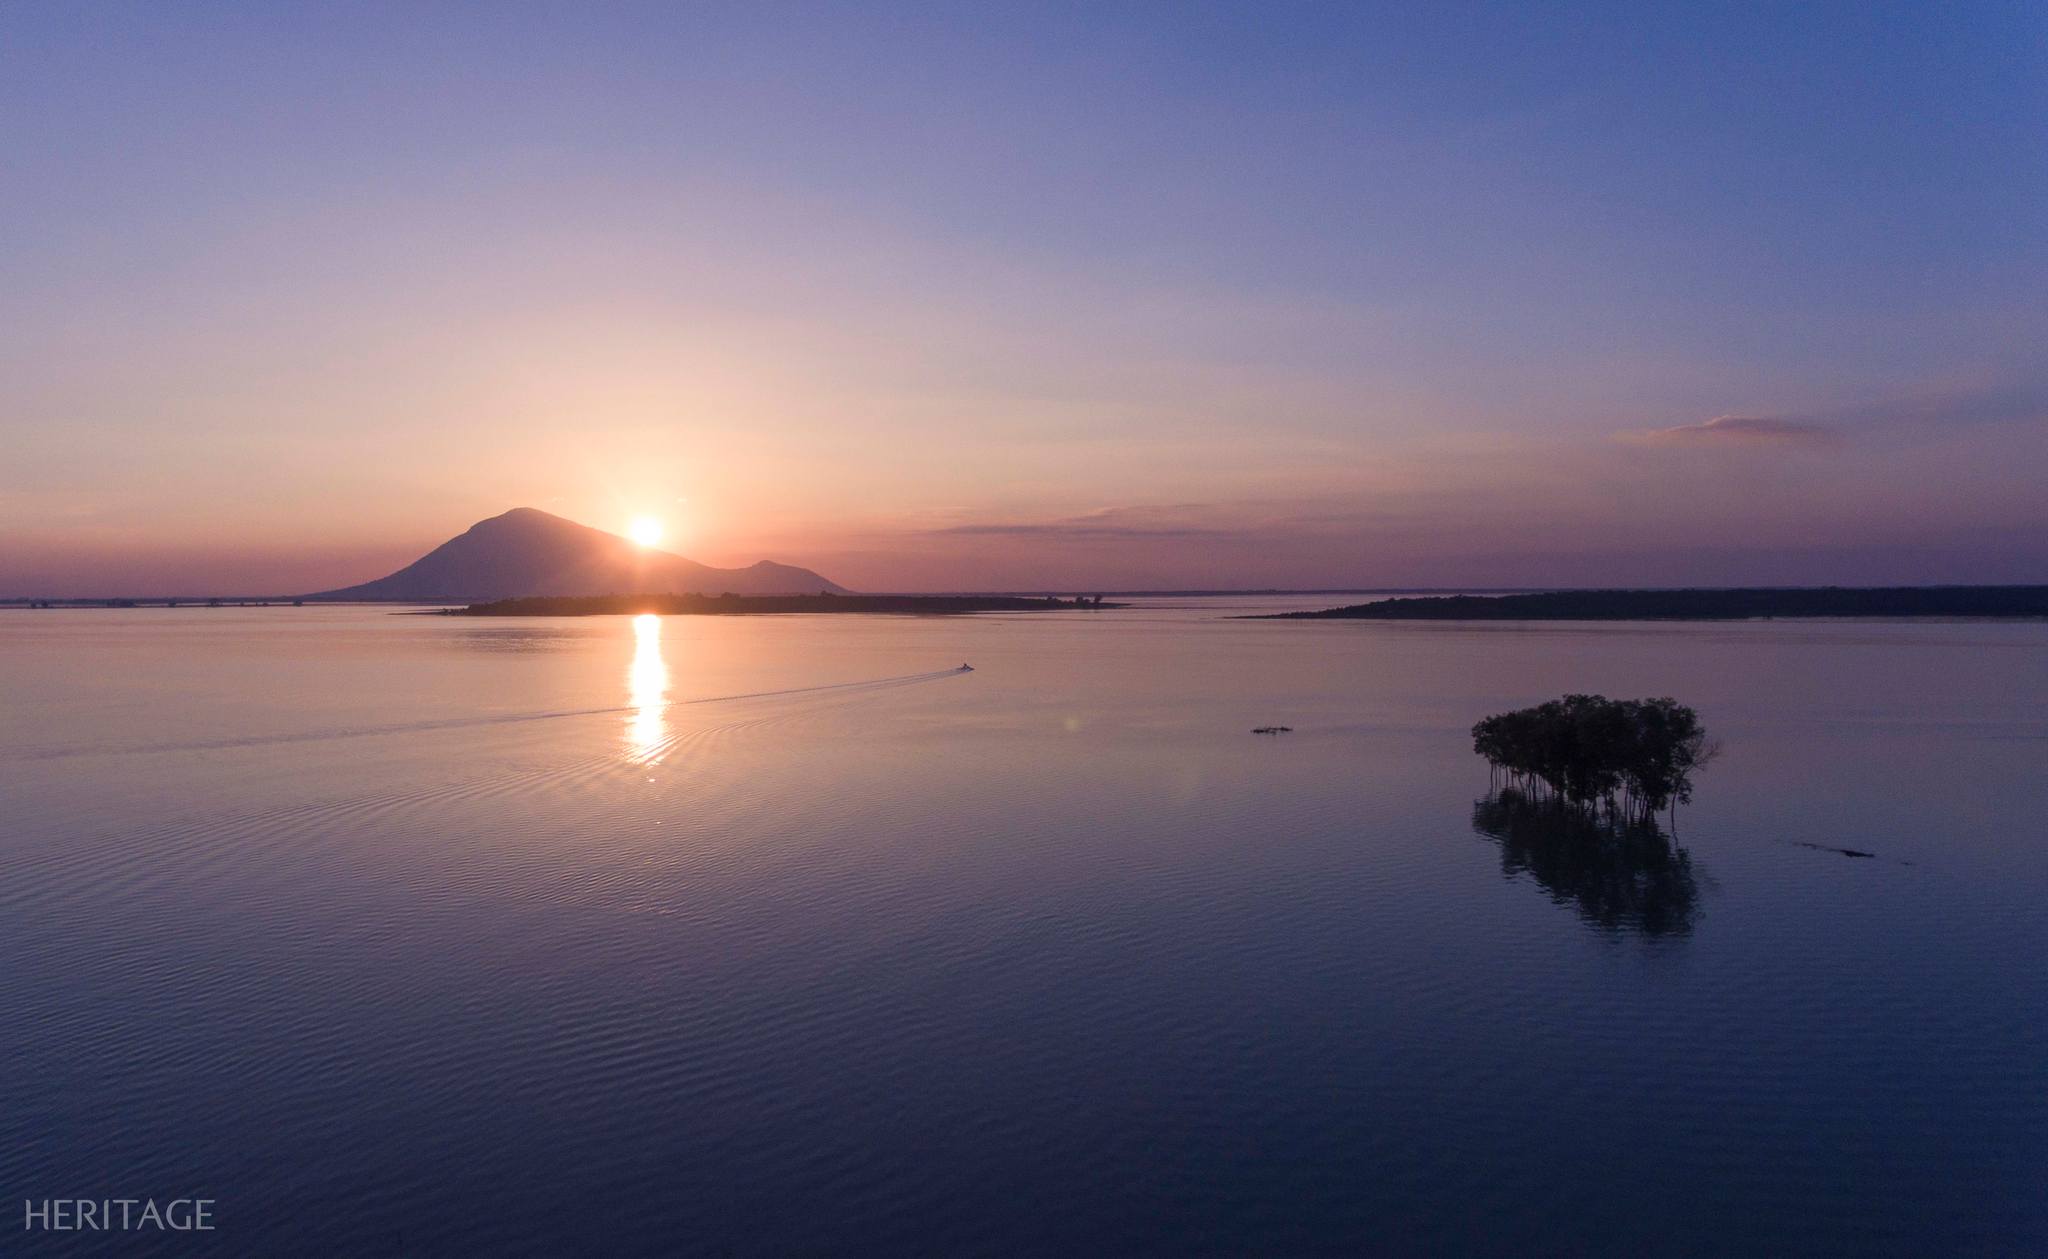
x=1628, y=758
x=1700, y=604
x=1577, y=783
x=755, y=605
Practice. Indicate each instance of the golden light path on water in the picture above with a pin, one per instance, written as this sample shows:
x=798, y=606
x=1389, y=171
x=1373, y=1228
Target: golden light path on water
x=646, y=690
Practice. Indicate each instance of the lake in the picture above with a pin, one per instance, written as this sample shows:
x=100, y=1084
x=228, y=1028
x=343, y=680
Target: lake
x=781, y=935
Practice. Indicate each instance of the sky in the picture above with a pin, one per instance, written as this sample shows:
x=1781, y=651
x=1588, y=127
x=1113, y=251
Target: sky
x=959, y=297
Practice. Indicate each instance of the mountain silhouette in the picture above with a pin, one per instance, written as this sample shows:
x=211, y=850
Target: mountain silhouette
x=528, y=552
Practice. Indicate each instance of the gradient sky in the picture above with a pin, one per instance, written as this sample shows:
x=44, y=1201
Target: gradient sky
x=965, y=296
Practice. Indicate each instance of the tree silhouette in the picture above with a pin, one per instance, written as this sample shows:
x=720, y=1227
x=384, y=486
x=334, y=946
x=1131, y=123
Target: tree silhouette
x=1632, y=757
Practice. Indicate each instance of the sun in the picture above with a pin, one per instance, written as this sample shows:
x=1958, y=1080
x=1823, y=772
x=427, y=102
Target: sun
x=645, y=530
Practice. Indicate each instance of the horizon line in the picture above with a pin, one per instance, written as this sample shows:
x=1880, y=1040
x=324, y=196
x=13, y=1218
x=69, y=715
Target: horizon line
x=35, y=602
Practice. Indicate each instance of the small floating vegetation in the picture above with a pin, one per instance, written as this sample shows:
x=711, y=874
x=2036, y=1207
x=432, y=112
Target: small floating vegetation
x=1627, y=757
x=1846, y=852
x=1272, y=729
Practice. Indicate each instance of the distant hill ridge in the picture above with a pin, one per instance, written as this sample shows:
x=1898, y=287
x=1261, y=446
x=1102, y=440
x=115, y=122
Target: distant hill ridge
x=527, y=553
x=1702, y=604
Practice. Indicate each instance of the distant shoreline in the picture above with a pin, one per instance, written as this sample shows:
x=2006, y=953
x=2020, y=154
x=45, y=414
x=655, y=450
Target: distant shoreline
x=2003, y=602
x=759, y=605
x=1412, y=603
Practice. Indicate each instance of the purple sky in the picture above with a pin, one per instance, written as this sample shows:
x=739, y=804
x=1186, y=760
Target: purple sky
x=1053, y=296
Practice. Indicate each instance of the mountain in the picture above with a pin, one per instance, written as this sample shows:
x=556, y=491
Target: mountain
x=528, y=552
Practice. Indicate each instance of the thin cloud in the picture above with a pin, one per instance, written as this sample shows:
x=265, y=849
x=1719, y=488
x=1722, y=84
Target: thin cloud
x=2015, y=402
x=1079, y=531
x=1740, y=431
x=1112, y=525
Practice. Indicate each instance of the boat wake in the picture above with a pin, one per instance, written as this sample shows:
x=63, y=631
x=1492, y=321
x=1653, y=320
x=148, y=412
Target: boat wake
x=198, y=845
x=462, y=723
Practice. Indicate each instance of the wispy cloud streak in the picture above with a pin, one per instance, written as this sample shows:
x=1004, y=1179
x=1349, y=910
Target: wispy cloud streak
x=1733, y=431
x=1118, y=524
x=2017, y=402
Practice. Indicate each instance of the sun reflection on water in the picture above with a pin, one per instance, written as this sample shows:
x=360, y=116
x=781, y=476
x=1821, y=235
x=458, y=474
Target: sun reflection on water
x=646, y=691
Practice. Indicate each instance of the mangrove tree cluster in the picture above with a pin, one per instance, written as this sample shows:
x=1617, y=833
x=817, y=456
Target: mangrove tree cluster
x=1630, y=756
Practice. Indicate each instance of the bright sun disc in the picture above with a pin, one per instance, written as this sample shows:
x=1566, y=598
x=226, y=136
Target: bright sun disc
x=645, y=530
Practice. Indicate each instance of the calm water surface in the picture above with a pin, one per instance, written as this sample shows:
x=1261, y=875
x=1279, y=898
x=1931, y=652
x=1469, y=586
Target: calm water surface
x=404, y=934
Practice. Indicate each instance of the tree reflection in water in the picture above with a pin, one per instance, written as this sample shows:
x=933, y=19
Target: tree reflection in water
x=1621, y=875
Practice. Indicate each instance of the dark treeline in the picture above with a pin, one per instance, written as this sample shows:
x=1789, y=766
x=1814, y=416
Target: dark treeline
x=1630, y=757
x=744, y=605
x=152, y=601
x=1701, y=605
x=1619, y=873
